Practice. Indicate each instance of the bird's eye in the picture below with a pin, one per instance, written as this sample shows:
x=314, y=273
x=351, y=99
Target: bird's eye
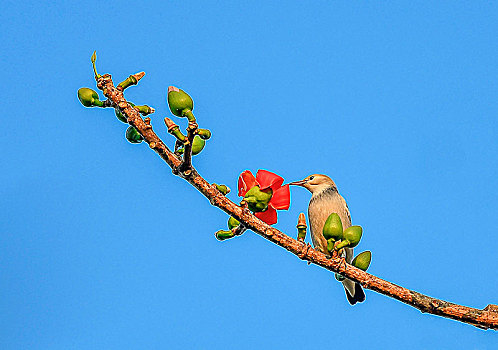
x=311, y=178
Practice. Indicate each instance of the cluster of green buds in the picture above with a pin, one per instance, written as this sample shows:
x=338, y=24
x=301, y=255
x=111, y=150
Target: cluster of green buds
x=90, y=98
x=182, y=105
x=337, y=239
x=233, y=224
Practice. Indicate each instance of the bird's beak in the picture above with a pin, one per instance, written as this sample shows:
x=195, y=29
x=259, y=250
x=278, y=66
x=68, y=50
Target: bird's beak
x=298, y=183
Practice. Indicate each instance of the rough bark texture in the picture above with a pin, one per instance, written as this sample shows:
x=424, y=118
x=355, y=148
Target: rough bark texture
x=485, y=318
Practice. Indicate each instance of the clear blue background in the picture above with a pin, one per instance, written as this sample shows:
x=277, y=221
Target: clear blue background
x=102, y=248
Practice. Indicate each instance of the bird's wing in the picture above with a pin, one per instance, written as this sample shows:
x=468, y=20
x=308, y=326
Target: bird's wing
x=345, y=215
x=346, y=222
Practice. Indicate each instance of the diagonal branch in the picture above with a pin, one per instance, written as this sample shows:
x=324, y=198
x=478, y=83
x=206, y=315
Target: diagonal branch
x=486, y=318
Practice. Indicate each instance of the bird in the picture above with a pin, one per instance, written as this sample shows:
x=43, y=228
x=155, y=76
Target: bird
x=325, y=200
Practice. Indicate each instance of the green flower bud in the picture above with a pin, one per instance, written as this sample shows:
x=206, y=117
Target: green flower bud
x=120, y=115
x=178, y=101
x=197, y=145
x=340, y=278
x=133, y=136
x=258, y=200
x=233, y=222
x=362, y=260
x=353, y=235
x=333, y=227
x=205, y=134
x=221, y=235
x=223, y=189
x=89, y=98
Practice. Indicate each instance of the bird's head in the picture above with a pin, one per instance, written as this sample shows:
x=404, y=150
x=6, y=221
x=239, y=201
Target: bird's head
x=315, y=183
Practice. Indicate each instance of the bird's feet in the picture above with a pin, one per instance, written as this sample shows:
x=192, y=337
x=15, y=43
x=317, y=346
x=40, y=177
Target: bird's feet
x=342, y=262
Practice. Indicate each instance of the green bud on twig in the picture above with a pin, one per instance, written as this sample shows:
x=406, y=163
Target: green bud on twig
x=174, y=130
x=205, y=134
x=145, y=110
x=362, y=260
x=333, y=227
x=131, y=80
x=223, y=189
x=133, y=136
x=89, y=98
x=233, y=222
x=120, y=115
x=197, y=145
x=222, y=235
x=352, y=236
x=180, y=103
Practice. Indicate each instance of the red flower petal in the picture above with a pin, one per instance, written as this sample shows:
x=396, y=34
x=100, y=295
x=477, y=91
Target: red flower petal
x=246, y=182
x=281, y=198
x=267, y=179
x=269, y=215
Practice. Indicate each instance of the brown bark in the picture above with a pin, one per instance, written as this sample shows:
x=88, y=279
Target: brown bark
x=187, y=156
x=485, y=318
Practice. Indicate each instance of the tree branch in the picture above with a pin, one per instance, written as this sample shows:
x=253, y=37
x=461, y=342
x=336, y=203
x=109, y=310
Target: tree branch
x=486, y=318
x=187, y=155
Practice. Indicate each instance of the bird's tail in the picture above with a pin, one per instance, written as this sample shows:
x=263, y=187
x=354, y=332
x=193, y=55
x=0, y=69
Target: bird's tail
x=354, y=292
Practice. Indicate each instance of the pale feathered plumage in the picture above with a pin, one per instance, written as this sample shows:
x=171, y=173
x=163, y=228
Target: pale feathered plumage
x=326, y=200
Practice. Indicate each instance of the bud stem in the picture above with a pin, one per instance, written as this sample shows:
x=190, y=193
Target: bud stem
x=131, y=80
x=99, y=103
x=301, y=227
x=342, y=244
x=190, y=116
x=145, y=110
x=174, y=130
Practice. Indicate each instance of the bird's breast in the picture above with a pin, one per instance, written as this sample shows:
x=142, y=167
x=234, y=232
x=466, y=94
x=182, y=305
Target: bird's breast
x=319, y=209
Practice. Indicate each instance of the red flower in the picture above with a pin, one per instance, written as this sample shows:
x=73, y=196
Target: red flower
x=280, y=198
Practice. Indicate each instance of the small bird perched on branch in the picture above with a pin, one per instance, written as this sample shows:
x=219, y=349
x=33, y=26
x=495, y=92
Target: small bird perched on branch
x=326, y=200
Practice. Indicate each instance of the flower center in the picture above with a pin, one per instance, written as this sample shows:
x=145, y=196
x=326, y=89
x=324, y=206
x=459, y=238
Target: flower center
x=257, y=199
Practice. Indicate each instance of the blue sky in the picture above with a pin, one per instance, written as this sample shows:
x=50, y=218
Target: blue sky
x=102, y=248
